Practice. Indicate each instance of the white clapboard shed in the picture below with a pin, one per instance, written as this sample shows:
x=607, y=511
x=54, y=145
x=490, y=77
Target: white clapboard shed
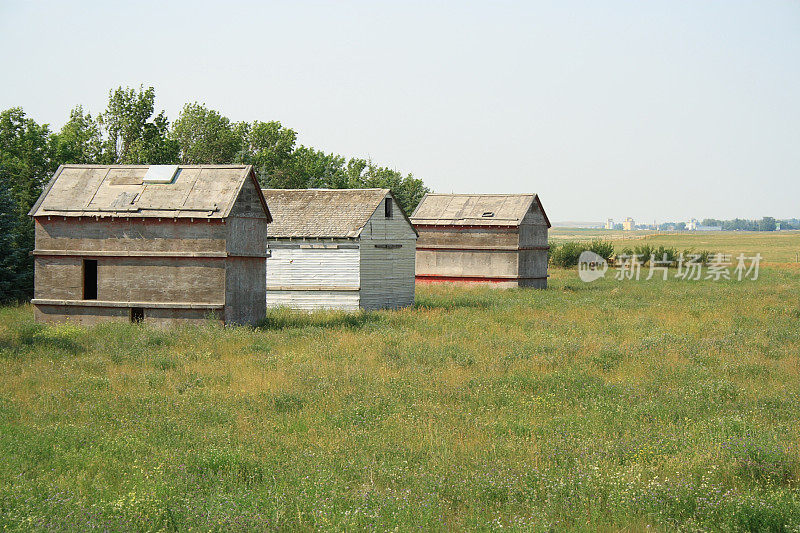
x=339, y=249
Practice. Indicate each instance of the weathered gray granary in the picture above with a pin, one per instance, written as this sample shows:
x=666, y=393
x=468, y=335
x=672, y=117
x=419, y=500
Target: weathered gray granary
x=488, y=238
x=339, y=249
x=158, y=244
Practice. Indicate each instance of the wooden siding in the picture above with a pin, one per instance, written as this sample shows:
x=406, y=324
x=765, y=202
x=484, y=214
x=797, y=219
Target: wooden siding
x=58, y=278
x=87, y=315
x=126, y=279
x=313, y=300
x=387, y=274
x=129, y=235
x=388, y=248
x=533, y=259
x=246, y=265
x=380, y=227
x=516, y=253
x=432, y=237
x=532, y=235
x=245, y=286
x=467, y=263
x=313, y=274
x=248, y=203
x=533, y=229
x=375, y=271
x=533, y=268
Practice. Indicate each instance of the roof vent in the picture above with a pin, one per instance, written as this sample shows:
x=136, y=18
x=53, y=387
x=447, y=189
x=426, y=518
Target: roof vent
x=160, y=173
x=488, y=214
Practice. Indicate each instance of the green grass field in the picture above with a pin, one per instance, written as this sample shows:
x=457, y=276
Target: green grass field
x=776, y=247
x=604, y=406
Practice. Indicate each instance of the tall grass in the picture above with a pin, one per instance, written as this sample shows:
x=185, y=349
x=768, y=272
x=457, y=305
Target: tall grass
x=610, y=405
x=566, y=254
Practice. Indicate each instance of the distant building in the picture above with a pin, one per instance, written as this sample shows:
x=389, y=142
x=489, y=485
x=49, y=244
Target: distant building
x=610, y=223
x=693, y=225
x=628, y=224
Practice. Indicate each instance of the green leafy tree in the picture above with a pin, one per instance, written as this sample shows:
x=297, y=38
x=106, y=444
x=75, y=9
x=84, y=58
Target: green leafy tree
x=134, y=136
x=313, y=168
x=9, y=254
x=767, y=224
x=204, y=136
x=268, y=146
x=80, y=140
x=26, y=163
x=306, y=167
x=408, y=190
x=155, y=146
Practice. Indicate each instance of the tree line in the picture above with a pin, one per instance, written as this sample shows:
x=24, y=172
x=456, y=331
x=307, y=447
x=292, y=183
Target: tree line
x=742, y=224
x=129, y=131
x=737, y=224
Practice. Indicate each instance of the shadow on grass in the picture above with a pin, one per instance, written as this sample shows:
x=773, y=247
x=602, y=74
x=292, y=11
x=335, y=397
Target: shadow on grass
x=29, y=337
x=290, y=319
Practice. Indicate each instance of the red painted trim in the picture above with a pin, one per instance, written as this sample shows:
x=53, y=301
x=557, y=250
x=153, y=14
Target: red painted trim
x=469, y=279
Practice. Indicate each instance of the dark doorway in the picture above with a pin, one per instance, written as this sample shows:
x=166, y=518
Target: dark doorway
x=137, y=315
x=90, y=279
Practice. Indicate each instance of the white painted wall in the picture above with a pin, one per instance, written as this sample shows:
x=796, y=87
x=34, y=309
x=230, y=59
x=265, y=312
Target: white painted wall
x=311, y=300
x=387, y=274
x=313, y=276
x=347, y=273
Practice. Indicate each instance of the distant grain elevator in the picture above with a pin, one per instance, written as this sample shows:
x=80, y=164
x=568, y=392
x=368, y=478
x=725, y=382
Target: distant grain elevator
x=487, y=238
x=156, y=244
x=339, y=249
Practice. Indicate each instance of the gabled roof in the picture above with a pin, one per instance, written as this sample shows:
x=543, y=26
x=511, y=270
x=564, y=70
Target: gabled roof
x=474, y=209
x=190, y=191
x=322, y=213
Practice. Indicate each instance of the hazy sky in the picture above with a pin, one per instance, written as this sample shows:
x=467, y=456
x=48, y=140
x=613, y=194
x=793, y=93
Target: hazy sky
x=655, y=110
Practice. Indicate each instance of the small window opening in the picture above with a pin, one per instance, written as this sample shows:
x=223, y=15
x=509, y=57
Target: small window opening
x=488, y=214
x=90, y=279
x=137, y=315
x=388, y=208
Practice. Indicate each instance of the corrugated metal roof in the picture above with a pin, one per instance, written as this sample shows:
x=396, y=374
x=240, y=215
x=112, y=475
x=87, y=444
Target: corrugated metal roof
x=473, y=209
x=196, y=191
x=321, y=213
